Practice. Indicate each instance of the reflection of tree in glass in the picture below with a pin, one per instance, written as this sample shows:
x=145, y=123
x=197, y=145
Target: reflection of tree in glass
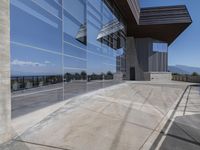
x=109, y=75
x=195, y=74
x=83, y=75
x=68, y=77
x=75, y=76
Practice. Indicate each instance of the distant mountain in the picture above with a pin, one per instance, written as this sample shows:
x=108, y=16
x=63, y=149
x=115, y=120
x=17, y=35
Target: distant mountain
x=181, y=69
x=175, y=69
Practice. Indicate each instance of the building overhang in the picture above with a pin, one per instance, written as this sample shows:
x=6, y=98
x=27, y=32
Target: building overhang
x=164, y=23
x=129, y=9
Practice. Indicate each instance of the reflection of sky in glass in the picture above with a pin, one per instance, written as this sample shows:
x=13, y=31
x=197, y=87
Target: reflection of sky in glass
x=32, y=25
x=75, y=8
x=37, y=26
x=30, y=61
x=108, y=16
x=32, y=12
x=49, y=6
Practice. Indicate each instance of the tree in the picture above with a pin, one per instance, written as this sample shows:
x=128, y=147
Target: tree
x=195, y=74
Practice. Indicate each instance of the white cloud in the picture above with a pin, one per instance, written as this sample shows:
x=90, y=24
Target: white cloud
x=47, y=62
x=27, y=63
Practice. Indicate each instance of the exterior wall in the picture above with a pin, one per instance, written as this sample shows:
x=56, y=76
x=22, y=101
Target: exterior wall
x=133, y=59
x=130, y=55
x=5, y=100
x=143, y=58
x=143, y=46
x=158, y=61
x=158, y=76
x=158, y=57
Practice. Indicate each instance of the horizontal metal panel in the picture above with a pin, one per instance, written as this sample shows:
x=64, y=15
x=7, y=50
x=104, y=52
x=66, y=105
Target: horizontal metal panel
x=164, y=15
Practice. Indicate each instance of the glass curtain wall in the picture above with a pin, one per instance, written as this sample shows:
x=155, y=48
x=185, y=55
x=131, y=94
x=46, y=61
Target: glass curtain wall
x=106, y=44
x=62, y=48
x=36, y=54
x=75, y=47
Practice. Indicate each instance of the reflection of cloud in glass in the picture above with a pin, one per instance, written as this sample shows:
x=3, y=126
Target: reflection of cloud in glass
x=47, y=62
x=29, y=63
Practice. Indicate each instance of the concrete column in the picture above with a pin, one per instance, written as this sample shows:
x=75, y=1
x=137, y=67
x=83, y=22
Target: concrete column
x=5, y=95
x=133, y=59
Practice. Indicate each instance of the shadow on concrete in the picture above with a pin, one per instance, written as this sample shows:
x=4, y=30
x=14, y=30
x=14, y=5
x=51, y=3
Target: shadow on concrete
x=184, y=134
x=116, y=140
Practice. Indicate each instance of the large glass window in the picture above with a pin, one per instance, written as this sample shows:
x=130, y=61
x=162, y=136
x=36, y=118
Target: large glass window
x=60, y=49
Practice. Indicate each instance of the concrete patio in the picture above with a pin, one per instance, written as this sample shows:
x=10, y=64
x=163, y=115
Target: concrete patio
x=127, y=116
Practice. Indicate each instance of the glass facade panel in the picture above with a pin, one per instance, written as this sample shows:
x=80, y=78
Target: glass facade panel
x=60, y=49
x=36, y=79
x=106, y=39
x=72, y=62
x=35, y=26
x=74, y=82
x=75, y=19
x=72, y=50
x=31, y=61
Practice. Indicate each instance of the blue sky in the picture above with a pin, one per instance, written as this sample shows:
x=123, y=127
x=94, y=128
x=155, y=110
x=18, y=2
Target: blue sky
x=185, y=49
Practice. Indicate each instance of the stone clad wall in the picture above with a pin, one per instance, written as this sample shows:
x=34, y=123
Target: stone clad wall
x=158, y=76
x=5, y=95
x=161, y=76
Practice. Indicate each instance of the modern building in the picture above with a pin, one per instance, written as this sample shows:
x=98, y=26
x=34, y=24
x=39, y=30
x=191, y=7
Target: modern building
x=61, y=48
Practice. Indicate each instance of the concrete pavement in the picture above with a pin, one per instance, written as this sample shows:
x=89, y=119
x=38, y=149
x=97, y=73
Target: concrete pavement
x=128, y=116
x=183, y=132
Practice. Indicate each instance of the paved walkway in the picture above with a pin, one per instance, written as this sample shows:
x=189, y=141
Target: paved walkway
x=183, y=130
x=129, y=116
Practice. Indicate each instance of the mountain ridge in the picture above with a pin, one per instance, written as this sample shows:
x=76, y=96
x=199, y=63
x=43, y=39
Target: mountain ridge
x=183, y=69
